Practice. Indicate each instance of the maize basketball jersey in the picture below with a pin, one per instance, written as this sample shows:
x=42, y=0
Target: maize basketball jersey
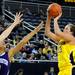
x=66, y=58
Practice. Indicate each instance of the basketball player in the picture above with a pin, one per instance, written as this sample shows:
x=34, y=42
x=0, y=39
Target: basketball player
x=4, y=60
x=6, y=57
x=66, y=44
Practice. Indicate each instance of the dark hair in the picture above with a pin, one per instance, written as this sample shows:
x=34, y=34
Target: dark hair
x=72, y=29
x=19, y=71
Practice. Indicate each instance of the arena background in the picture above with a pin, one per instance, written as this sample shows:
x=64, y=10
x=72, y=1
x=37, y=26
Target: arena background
x=30, y=61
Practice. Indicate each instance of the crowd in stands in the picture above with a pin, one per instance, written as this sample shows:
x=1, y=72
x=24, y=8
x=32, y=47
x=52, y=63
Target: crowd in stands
x=39, y=50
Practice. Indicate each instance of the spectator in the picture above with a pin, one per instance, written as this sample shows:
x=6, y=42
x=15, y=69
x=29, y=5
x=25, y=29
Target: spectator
x=40, y=44
x=19, y=72
x=24, y=55
x=18, y=55
x=47, y=51
x=40, y=54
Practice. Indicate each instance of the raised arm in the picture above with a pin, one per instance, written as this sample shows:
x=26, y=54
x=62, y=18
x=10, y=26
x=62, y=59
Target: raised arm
x=17, y=21
x=63, y=35
x=48, y=33
x=24, y=41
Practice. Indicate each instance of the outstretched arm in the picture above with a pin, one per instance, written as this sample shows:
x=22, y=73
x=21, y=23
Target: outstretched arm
x=17, y=21
x=48, y=33
x=24, y=41
x=63, y=35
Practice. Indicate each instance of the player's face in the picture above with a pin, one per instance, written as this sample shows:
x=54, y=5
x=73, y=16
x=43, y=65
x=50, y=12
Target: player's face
x=2, y=46
x=67, y=29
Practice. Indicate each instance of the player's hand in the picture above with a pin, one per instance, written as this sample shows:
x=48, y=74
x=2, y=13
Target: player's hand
x=40, y=26
x=18, y=19
x=58, y=17
x=48, y=11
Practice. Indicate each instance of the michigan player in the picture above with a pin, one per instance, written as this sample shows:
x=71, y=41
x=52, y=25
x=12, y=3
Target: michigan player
x=6, y=57
x=66, y=45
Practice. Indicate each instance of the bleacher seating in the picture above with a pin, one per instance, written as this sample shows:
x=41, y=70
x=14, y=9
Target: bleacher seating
x=34, y=18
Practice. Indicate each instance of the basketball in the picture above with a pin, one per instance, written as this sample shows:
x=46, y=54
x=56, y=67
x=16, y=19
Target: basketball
x=54, y=9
